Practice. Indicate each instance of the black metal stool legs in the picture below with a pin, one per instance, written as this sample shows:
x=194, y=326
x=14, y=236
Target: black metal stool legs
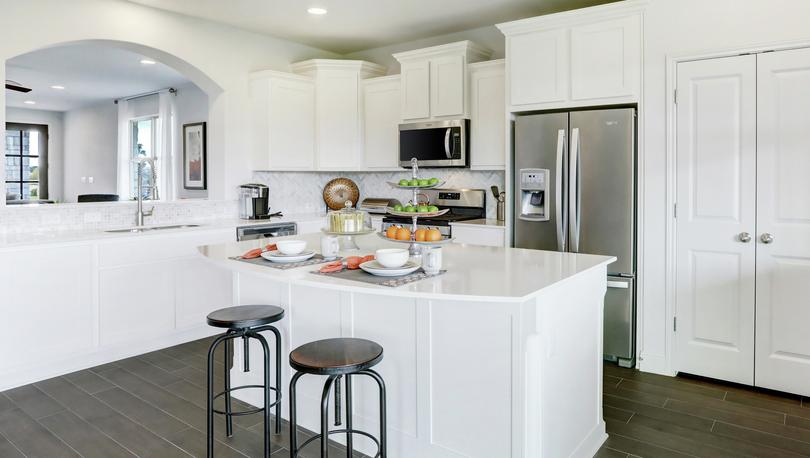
x=228, y=405
x=383, y=428
x=210, y=390
x=293, y=415
x=327, y=387
x=349, y=442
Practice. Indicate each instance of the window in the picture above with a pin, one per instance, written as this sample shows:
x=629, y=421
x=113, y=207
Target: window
x=144, y=135
x=26, y=161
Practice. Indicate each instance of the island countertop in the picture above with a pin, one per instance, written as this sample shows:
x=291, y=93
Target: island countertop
x=473, y=272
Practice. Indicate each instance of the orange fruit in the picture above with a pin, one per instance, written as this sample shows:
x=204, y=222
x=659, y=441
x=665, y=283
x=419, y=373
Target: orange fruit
x=434, y=235
x=420, y=235
x=391, y=232
x=403, y=234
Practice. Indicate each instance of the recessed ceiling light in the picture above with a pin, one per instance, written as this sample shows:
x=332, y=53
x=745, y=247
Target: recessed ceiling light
x=148, y=62
x=58, y=87
x=317, y=11
x=30, y=102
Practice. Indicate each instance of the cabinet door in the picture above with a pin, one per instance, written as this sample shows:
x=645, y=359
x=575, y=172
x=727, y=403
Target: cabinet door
x=783, y=211
x=487, y=117
x=447, y=86
x=202, y=287
x=291, y=124
x=716, y=170
x=381, y=126
x=338, y=120
x=606, y=59
x=415, y=97
x=538, y=67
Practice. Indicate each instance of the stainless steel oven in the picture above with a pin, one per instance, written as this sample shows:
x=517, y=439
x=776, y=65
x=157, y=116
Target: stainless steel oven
x=435, y=143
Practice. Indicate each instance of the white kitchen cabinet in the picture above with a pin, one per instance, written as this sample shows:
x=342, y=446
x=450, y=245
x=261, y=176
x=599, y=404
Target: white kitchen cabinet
x=480, y=234
x=381, y=114
x=591, y=56
x=415, y=97
x=283, y=121
x=434, y=80
x=613, y=47
x=338, y=121
x=487, y=116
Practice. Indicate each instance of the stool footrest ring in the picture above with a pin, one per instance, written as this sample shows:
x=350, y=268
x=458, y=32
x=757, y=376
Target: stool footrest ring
x=339, y=431
x=251, y=411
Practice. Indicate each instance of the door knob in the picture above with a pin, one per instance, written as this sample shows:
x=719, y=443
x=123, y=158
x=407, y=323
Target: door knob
x=766, y=238
x=744, y=237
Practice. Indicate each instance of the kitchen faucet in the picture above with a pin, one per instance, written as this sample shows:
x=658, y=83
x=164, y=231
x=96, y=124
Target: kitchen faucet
x=153, y=191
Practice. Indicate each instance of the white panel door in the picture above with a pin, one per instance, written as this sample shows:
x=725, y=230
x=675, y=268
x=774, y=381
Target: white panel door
x=381, y=116
x=487, y=116
x=447, y=86
x=783, y=211
x=338, y=120
x=538, y=67
x=614, y=48
x=291, y=124
x=415, y=97
x=716, y=170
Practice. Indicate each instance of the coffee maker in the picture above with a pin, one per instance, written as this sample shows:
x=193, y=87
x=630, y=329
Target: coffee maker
x=254, y=201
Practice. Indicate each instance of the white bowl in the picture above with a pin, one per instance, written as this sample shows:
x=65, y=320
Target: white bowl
x=392, y=257
x=291, y=246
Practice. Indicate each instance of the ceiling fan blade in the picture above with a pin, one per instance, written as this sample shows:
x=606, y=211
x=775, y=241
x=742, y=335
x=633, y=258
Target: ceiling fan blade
x=14, y=86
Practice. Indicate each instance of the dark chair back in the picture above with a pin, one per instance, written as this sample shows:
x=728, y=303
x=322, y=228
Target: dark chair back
x=98, y=198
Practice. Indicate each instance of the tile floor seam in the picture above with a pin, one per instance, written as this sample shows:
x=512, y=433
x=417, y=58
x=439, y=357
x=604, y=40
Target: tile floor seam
x=656, y=445
x=764, y=432
x=631, y=417
x=12, y=443
x=92, y=426
x=33, y=385
x=714, y=422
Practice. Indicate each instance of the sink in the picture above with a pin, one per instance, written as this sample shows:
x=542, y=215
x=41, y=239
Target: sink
x=138, y=229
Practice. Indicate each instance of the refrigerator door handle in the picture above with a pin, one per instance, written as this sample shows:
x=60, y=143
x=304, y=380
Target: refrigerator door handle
x=573, y=190
x=560, y=213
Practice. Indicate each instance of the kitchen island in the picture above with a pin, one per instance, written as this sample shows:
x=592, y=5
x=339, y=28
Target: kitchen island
x=501, y=356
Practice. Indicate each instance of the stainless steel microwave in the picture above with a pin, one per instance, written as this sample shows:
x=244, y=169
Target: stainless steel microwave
x=435, y=143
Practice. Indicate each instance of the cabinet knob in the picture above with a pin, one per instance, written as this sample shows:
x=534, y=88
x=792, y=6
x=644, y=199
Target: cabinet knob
x=744, y=237
x=766, y=238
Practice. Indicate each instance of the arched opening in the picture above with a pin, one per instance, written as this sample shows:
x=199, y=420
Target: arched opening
x=201, y=87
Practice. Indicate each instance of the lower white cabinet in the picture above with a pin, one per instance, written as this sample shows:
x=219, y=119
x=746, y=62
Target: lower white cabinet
x=74, y=305
x=487, y=235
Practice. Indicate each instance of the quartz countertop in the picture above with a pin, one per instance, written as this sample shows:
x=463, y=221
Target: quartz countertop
x=488, y=223
x=473, y=272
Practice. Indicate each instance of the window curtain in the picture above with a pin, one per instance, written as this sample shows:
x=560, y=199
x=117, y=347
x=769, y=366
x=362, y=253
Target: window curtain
x=124, y=153
x=166, y=154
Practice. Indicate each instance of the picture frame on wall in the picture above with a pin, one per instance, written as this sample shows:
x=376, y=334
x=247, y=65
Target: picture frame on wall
x=195, y=167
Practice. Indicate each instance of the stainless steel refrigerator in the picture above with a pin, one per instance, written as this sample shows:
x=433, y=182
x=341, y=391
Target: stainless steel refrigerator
x=575, y=191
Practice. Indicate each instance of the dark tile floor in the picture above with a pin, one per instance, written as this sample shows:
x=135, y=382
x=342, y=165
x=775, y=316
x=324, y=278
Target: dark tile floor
x=654, y=416
x=153, y=405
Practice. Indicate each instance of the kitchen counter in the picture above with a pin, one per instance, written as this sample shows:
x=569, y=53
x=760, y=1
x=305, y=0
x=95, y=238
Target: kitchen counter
x=487, y=223
x=500, y=356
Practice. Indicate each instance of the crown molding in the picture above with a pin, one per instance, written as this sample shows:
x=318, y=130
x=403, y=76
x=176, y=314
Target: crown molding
x=364, y=68
x=473, y=51
x=573, y=17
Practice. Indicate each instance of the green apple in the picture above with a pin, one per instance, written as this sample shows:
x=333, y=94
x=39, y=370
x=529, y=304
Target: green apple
x=433, y=208
x=424, y=182
x=423, y=209
x=433, y=181
x=413, y=182
x=409, y=209
x=403, y=182
x=397, y=208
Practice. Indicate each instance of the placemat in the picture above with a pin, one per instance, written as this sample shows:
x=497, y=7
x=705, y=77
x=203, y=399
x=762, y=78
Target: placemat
x=365, y=277
x=260, y=261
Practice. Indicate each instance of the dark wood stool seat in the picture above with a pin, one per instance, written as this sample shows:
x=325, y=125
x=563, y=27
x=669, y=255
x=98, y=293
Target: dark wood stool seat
x=336, y=356
x=339, y=358
x=245, y=316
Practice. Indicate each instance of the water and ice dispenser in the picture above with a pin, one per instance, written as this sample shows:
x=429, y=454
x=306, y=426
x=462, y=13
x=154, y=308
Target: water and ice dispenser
x=533, y=194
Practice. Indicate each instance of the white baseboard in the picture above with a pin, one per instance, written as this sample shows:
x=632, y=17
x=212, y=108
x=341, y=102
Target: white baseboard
x=592, y=442
x=656, y=364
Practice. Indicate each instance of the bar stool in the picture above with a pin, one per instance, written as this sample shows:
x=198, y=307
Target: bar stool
x=337, y=358
x=245, y=321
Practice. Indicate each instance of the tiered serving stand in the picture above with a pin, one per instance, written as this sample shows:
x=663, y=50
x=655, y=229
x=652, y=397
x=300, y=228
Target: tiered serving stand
x=415, y=247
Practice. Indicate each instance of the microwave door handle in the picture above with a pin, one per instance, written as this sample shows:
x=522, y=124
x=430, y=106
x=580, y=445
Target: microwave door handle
x=574, y=190
x=447, y=143
x=559, y=211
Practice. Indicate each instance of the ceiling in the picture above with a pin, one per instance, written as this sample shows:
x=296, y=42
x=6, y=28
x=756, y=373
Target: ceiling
x=91, y=73
x=356, y=25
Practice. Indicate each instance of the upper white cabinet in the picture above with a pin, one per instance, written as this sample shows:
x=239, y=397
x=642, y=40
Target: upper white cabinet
x=551, y=59
x=283, y=115
x=338, y=123
x=381, y=113
x=487, y=115
x=434, y=80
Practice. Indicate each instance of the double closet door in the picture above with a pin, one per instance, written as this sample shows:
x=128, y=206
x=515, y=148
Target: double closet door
x=743, y=219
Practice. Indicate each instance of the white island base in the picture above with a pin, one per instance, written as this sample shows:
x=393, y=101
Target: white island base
x=499, y=357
